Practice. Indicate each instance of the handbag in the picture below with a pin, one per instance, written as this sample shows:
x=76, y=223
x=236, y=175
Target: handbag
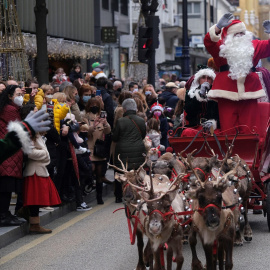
x=100, y=149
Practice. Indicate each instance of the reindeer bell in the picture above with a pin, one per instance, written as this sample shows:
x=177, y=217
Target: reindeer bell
x=138, y=201
x=242, y=210
x=240, y=200
x=249, y=179
x=184, y=199
x=245, y=165
x=187, y=217
x=248, y=172
x=152, y=175
x=160, y=178
x=191, y=201
x=188, y=186
x=235, y=191
x=186, y=207
x=230, y=183
x=241, y=219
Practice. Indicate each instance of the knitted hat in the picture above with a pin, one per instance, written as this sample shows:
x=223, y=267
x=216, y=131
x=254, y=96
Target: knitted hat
x=156, y=106
x=236, y=26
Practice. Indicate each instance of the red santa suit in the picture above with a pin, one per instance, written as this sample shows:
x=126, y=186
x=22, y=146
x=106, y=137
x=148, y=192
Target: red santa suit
x=237, y=98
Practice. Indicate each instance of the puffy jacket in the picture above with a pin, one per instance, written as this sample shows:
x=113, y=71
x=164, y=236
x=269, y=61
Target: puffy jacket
x=129, y=140
x=171, y=98
x=13, y=165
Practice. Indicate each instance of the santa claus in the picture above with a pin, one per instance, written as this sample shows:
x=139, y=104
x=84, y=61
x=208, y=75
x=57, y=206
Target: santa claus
x=237, y=86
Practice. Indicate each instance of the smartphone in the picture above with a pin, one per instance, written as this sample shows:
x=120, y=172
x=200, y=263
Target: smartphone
x=28, y=90
x=103, y=114
x=98, y=93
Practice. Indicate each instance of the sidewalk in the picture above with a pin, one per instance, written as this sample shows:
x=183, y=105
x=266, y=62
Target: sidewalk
x=11, y=234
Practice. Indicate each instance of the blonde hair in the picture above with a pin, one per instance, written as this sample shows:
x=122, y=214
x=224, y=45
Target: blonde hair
x=46, y=87
x=68, y=90
x=142, y=98
x=60, y=96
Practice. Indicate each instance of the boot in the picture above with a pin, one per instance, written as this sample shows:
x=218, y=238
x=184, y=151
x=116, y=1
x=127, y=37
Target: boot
x=99, y=188
x=35, y=227
x=23, y=212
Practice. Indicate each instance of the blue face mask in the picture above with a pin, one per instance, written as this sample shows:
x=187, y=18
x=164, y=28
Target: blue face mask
x=86, y=98
x=77, y=98
x=62, y=104
x=147, y=93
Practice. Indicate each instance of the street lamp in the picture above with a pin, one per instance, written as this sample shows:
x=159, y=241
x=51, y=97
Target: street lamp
x=185, y=50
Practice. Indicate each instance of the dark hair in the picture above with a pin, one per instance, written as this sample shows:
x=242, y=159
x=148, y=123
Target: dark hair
x=92, y=102
x=153, y=123
x=161, y=100
x=77, y=65
x=6, y=94
x=26, y=109
x=29, y=81
x=77, y=84
x=124, y=95
x=102, y=82
x=132, y=85
x=109, y=85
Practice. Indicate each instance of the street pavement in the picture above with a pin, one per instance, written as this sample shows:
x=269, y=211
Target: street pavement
x=99, y=239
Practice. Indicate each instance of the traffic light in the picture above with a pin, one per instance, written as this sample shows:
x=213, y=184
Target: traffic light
x=144, y=43
x=148, y=38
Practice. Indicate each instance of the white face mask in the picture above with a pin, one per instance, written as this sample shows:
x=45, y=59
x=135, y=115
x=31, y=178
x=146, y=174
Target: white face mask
x=18, y=101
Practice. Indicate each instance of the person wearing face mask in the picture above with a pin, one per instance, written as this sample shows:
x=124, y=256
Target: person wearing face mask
x=149, y=93
x=11, y=101
x=98, y=128
x=73, y=97
x=86, y=92
x=156, y=111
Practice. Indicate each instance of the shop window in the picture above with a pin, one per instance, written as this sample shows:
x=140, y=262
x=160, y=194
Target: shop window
x=124, y=7
x=115, y=5
x=105, y=4
x=193, y=8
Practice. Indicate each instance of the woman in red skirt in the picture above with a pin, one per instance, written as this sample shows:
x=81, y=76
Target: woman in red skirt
x=39, y=190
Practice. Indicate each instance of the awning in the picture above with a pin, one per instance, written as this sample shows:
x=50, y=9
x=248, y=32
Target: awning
x=59, y=48
x=172, y=31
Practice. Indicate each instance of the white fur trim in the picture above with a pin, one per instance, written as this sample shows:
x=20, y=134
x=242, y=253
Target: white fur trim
x=218, y=93
x=22, y=135
x=100, y=75
x=212, y=32
x=214, y=122
x=236, y=28
x=157, y=108
x=196, y=93
x=195, y=84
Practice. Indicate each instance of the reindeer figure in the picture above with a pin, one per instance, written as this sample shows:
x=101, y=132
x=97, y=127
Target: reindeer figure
x=131, y=197
x=161, y=224
x=214, y=223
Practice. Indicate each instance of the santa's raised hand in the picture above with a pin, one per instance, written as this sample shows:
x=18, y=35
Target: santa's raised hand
x=225, y=20
x=266, y=25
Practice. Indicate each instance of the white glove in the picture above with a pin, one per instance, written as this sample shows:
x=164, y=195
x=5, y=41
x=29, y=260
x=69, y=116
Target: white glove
x=35, y=120
x=225, y=20
x=204, y=88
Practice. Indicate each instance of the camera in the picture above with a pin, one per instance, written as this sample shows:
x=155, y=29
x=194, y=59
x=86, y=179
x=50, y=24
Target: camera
x=103, y=114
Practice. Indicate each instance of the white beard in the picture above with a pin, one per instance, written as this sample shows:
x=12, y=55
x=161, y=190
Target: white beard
x=239, y=53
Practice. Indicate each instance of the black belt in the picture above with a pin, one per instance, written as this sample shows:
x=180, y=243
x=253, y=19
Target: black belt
x=227, y=68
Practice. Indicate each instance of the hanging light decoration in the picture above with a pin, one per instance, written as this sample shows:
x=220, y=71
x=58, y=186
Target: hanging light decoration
x=59, y=48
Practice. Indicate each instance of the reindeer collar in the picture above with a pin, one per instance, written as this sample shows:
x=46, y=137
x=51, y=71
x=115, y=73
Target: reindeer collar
x=202, y=210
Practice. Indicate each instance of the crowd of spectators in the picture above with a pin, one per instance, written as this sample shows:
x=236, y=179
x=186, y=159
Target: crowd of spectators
x=93, y=122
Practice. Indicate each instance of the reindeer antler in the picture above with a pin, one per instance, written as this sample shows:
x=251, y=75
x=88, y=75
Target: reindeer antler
x=123, y=166
x=118, y=169
x=233, y=171
x=194, y=171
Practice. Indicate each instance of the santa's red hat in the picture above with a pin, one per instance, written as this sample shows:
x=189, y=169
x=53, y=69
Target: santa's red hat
x=234, y=27
x=156, y=106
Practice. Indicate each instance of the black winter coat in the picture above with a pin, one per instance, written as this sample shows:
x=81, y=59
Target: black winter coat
x=196, y=110
x=73, y=76
x=129, y=140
